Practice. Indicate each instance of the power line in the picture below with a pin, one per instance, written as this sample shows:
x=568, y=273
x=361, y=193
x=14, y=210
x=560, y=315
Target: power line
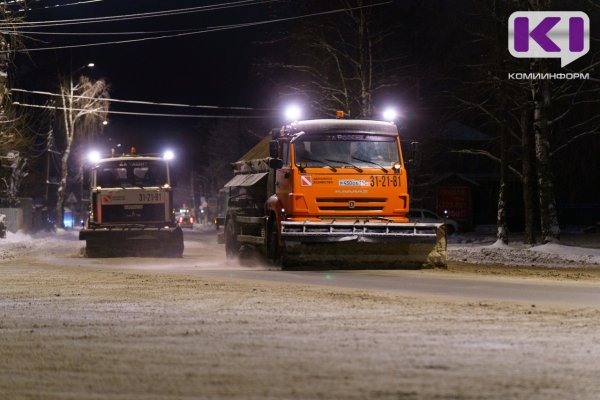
x=146, y=114
x=150, y=103
x=47, y=33
x=208, y=30
x=127, y=17
x=78, y=3
x=22, y=10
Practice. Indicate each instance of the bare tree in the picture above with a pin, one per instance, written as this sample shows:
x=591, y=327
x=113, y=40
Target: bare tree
x=538, y=121
x=84, y=107
x=15, y=125
x=11, y=186
x=341, y=62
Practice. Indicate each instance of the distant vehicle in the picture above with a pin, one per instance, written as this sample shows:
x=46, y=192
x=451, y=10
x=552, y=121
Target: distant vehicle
x=422, y=215
x=2, y=226
x=130, y=207
x=184, y=219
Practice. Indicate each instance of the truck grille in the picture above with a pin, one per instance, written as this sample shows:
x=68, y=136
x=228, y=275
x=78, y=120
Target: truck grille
x=122, y=214
x=358, y=204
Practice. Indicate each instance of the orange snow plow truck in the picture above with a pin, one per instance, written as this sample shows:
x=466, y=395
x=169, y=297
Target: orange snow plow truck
x=330, y=193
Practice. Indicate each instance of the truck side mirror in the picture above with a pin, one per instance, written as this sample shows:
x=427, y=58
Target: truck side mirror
x=273, y=148
x=275, y=163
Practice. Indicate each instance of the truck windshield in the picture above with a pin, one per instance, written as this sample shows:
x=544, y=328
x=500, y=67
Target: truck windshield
x=131, y=173
x=348, y=150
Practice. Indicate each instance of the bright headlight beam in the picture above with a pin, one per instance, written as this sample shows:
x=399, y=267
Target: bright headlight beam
x=390, y=114
x=168, y=155
x=93, y=156
x=293, y=113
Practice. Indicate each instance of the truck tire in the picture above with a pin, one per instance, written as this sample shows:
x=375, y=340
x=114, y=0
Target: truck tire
x=232, y=246
x=449, y=229
x=273, y=250
x=175, y=249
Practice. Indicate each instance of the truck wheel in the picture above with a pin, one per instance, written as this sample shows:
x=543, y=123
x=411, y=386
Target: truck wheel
x=176, y=244
x=232, y=247
x=273, y=251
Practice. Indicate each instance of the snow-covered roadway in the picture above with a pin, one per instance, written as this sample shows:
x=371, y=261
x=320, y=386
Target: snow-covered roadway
x=490, y=278
x=76, y=328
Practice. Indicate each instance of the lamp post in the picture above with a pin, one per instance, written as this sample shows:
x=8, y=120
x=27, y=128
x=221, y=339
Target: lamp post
x=205, y=185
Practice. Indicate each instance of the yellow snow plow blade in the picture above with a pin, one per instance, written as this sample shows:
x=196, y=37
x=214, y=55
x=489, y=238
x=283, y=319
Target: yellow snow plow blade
x=373, y=245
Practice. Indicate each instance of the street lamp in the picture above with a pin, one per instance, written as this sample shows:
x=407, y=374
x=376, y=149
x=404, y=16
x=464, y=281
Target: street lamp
x=88, y=65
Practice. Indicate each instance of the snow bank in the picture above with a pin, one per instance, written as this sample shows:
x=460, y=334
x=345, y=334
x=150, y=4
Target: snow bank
x=551, y=255
x=21, y=244
x=463, y=249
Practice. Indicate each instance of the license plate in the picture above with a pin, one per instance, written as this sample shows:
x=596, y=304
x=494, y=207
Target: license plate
x=384, y=181
x=156, y=197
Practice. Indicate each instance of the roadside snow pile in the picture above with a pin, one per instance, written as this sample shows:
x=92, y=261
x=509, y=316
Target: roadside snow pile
x=552, y=255
x=49, y=243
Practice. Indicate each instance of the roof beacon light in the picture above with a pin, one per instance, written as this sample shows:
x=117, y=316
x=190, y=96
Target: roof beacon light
x=133, y=151
x=168, y=155
x=292, y=113
x=390, y=114
x=93, y=156
x=339, y=114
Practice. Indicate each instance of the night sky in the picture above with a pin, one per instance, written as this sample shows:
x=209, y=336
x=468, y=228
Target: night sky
x=212, y=69
x=434, y=45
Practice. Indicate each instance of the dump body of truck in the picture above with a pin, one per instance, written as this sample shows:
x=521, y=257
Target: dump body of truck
x=332, y=193
x=131, y=211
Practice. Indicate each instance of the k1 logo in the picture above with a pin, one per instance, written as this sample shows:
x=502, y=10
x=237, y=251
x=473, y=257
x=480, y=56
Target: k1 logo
x=548, y=34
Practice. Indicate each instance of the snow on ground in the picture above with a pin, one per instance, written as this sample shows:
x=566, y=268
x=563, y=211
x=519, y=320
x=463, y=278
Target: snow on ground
x=477, y=249
x=42, y=243
x=480, y=251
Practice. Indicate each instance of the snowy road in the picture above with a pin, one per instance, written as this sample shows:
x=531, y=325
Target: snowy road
x=427, y=282
x=202, y=328
x=204, y=257
x=414, y=283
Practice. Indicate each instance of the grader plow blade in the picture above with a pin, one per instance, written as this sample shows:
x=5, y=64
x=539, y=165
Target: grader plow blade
x=364, y=245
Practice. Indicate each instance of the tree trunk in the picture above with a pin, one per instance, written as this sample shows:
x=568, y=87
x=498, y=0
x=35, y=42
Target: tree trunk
x=501, y=225
x=364, y=65
x=548, y=215
x=62, y=187
x=64, y=165
x=3, y=68
x=526, y=171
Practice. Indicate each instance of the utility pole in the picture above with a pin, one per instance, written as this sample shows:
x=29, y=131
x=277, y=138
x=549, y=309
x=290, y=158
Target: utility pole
x=49, y=146
x=193, y=189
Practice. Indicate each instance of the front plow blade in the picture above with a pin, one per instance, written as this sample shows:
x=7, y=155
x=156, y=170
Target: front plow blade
x=133, y=243
x=363, y=245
